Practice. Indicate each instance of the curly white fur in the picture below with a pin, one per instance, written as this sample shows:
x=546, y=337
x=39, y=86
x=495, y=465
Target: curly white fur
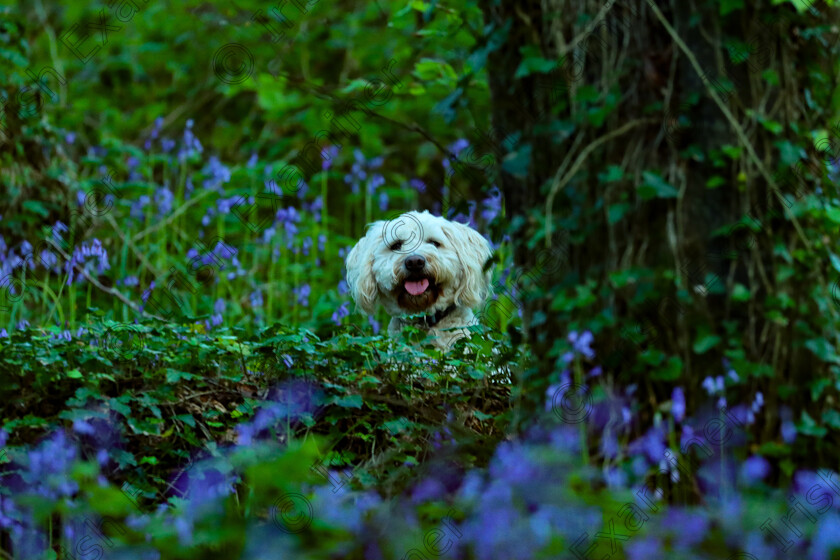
x=453, y=257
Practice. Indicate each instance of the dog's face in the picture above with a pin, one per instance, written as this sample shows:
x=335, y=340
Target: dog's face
x=418, y=263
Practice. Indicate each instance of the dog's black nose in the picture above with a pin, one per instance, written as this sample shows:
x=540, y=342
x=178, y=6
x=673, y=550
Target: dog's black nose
x=415, y=263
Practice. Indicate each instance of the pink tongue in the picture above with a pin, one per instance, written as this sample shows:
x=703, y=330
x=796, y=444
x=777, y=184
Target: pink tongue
x=416, y=288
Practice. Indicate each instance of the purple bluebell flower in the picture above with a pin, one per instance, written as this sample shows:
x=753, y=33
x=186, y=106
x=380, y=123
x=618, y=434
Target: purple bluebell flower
x=163, y=200
x=427, y=490
x=137, y=206
x=166, y=145
x=70, y=137
x=678, y=404
x=788, y=430
x=754, y=468
x=252, y=161
x=383, y=201
x=492, y=204
x=341, y=313
x=331, y=154
x=322, y=241
x=256, y=299
x=191, y=145
x=217, y=174
x=758, y=402
x=582, y=343
x=418, y=185
x=374, y=324
x=343, y=288
x=302, y=294
x=826, y=539
x=376, y=181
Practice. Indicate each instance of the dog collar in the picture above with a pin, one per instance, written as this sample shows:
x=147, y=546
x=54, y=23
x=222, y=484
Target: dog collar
x=432, y=320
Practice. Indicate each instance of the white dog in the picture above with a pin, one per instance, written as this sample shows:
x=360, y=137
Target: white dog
x=426, y=271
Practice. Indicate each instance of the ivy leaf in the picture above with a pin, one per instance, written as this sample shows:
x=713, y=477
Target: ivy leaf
x=705, y=343
x=654, y=186
x=349, y=401
x=727, y=6
x=809, y=427
x=533, y=62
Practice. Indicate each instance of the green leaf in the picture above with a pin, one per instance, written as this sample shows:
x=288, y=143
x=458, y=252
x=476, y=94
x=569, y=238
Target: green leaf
x=617, y=211
x=74, y=374
x=727, y=6
x=809, y=427
x=740, y=293
x=671, y=371
x=705, y=343
x=833, y=214
x=532, y=65
x=654, y=186
x=715, y=182
x=349, y=401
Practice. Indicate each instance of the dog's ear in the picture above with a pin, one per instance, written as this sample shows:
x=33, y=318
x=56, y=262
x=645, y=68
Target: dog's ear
x=473, y=252
x=359, y=265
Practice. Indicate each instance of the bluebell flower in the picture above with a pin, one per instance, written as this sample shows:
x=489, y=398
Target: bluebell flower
x=166, y=145
x=418, y=185
x=163, y=200
x=191, y=145
x=256, y=299
x=754, y=468
x=374, y=324
x=492, y=204
x=343, y=288
x=376, y=181
x=70, y=137
x=137, y=206
x=288, y=360
x=383, y=201
x=758, y=402
x=644, y=549
x=322, y=241
x=678, y=404
x=428, y=489
x=582, y=343
x=302, y=294
x=788, y=431
x=826, y=539
x=218, y=174
x=252, y=161
x=341, y=313
x=82, y=427
x=331, y=154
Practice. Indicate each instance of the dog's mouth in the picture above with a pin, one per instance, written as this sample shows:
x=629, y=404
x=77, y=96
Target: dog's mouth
x=417, y=287
x=417, y=292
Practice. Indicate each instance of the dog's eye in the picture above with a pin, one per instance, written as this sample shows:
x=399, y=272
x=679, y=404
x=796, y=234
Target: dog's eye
x=435, y=243
x=396, y=246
